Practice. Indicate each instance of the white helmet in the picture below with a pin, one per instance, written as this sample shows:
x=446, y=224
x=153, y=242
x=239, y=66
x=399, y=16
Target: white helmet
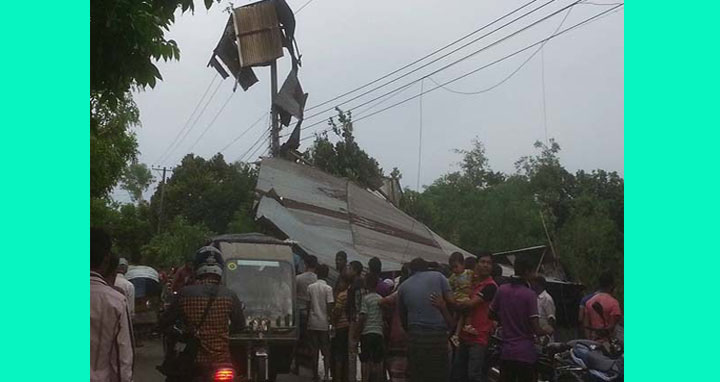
x=208, y=259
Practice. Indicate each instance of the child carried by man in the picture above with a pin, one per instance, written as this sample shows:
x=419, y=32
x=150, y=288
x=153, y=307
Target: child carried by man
x=461, y=285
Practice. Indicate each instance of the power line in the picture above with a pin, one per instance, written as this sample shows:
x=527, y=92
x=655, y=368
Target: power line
x=459, y=60
x=367, y=109
x=255, y=147
x=600, y=4
x=359, y=113
x=586, y=21
x=192, y=126
x=259, y=147
x=419, y=59
x=441, y=57
x=544, y=102
x=188, y=118
x=244, y=132
x=259, y=139
x=530, y=57
x=303, y=6
x=211, y=122
x=417, y=187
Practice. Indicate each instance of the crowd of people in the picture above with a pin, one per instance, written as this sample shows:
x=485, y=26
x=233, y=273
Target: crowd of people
x=199, y=301
x=433, y=322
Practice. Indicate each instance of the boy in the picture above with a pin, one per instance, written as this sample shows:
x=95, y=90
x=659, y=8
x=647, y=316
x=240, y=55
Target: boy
x=461, y=285
x=370, y=327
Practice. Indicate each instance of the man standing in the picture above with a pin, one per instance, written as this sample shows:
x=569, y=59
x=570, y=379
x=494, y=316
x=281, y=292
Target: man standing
x=320, y=308
x=355, y=295
x=546, y=306
x=469, y=362
x=213, y=310
x=425, y=325
x=602, y=327
x=303, y=281
x=111, y=353
x=127, y=287
x=340, y=265
x=516, y=306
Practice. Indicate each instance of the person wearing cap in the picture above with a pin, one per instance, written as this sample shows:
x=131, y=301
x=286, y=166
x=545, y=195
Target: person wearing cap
x=212, y=309
x=126, y=286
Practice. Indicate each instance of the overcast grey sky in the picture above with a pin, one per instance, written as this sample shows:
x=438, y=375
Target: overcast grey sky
x=347, y=43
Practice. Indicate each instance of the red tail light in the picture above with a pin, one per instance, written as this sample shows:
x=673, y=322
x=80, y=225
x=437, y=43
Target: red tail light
x=224, y=374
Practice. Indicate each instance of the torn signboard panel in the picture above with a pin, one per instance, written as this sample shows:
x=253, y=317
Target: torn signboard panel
x=326, y=214
x=291, y=99
x=226, y=50
x=257, y=29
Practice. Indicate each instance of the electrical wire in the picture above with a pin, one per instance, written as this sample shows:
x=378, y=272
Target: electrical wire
x=443, y=56
x=459, y=60
x=192, y=126
x=419, y=59
x=258, y=144
x=188, y=118
x=417, y=186
x=530, y=57
x=303, y=6
x=584, y=22
x=242, y=157
x=243, y=133
x=209, y=125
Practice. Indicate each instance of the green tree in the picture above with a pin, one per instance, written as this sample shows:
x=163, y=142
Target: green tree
x=136, y=179
x=345, y=158
x=208, y=192
x=477, y=208
x=125, y=38
x=176, y=244
x=476, y=167
x=132, y=230
x=129, y=225
x=112, y=142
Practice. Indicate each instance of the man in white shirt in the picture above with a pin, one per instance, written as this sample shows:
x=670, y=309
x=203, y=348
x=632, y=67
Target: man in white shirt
x=302, y=282
x=111, y=352
x=127, y=287
x=546, y=306
x=321, y=303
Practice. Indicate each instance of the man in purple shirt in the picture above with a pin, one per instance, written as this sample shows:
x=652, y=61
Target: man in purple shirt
x=515, y=305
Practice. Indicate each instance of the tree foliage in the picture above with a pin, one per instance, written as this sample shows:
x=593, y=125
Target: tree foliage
x=112, y=142
x=208, y=192
x=176, y=244
x=345, y=158
x=129, y=225
x=136, y=178
x=477, y=208
x=125, y=38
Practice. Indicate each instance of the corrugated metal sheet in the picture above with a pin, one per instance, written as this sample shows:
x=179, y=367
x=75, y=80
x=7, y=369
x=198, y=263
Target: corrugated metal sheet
x=548, y=263
x=326, y=214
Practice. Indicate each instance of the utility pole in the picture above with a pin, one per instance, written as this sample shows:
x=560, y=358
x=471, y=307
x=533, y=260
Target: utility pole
x=274, y=127
x=162, y=195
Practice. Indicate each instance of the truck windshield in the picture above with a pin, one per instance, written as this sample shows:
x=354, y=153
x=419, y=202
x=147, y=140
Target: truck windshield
x=265, y=287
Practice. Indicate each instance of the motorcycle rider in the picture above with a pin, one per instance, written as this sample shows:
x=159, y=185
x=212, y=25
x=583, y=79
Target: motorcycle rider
x=224, y=311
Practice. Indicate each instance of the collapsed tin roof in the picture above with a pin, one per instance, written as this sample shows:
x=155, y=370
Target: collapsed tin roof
x=325, y=214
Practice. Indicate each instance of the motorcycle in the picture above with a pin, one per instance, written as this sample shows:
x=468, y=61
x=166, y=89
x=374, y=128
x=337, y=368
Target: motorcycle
x=600, y=360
